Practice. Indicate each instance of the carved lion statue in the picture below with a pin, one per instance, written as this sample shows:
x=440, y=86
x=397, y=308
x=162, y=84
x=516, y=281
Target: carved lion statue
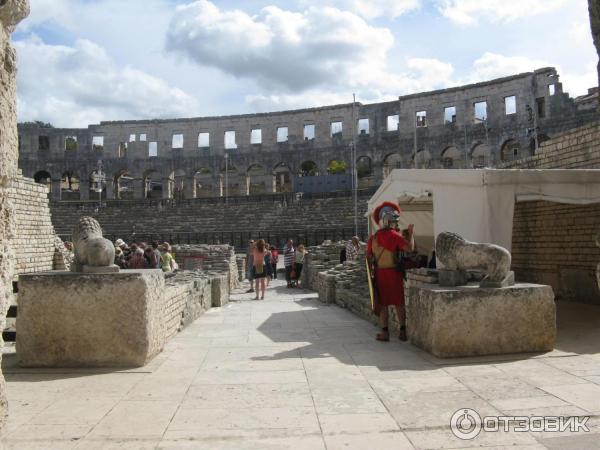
x=456, y=253
x=90, y=248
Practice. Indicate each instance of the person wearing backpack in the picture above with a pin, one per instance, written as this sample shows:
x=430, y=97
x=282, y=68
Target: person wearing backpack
x=259, y=271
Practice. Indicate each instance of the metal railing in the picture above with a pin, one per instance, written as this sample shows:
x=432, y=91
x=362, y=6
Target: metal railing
x=239, y=239
x=275, y=198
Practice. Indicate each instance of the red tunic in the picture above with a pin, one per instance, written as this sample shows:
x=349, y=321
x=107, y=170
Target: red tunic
x=390, y=282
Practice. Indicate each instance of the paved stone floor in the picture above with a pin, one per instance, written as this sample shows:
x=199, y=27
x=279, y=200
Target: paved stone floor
x=290, y=373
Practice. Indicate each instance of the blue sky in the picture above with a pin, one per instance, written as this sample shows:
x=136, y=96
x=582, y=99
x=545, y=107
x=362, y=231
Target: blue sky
x=84, y=61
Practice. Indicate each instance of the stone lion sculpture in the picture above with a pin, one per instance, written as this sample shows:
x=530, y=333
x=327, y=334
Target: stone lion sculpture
x=93, y=253
x=456, y=253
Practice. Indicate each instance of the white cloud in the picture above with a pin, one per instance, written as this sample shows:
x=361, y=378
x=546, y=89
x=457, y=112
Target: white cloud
x=423, y=75
x=79, y=85
x=469, y=12
x=576, y=81
x=282, y=49
x=370, y=9
x=492, y=65
x=44, y=11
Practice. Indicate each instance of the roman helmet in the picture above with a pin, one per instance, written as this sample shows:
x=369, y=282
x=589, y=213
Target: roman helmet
x=387, y=215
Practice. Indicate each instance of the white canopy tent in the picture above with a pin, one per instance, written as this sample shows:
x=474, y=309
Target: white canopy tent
x=478, y=204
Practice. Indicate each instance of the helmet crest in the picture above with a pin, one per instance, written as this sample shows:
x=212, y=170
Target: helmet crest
x=383, y=209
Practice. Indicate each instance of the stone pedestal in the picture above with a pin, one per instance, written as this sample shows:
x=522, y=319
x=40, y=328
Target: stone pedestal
x=90, y=320
x=326, y=288
x=473, y=321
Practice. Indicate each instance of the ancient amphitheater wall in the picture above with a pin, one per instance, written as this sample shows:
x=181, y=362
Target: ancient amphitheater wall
x=470, y=126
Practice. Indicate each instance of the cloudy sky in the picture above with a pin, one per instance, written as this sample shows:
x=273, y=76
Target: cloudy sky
x=84, y=61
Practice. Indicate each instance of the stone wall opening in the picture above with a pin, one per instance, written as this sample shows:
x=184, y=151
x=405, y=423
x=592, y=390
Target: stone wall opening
x=179, y=184
x=481, y=156
x=309, y=169
x=422, y=160
x=97, y=186
x=309, y=132
x=69, y=186
x=43, y=177
x=123, y=185
x=364, y=172
x=257, y=179
x=71, y=143
x=283, y=178
x=452, y=159
x=393, y=122
x=204, y=183
x=153, y=186
x=336, y=167
x=510, y=151
x=391, y=162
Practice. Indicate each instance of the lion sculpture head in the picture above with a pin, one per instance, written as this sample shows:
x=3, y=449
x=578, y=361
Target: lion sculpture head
x=92, y=251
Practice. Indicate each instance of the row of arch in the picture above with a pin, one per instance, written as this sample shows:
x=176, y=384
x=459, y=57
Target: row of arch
x=256, y=179
x=202, y=182
x=451, y=157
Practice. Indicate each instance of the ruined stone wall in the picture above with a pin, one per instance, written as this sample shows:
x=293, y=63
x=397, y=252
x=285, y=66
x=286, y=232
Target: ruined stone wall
x=554, y=244
x=465, y=142
x=210, y=258
x=187, y=296
x=11, y=13
x=35, y=245
x=578, y=148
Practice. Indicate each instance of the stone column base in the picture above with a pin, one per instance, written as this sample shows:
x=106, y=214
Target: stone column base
x=71, y=319
x=473, y=321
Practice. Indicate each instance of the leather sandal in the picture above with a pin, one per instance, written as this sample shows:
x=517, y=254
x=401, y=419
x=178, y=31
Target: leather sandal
x=402, y=335
x=383, y=336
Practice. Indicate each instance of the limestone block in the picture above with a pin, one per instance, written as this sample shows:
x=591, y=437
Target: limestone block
x=68, y=319
x=472, y=321
x=453, y=277
x=220, y=291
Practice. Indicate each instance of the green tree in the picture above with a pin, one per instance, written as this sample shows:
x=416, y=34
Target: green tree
x=336, y=167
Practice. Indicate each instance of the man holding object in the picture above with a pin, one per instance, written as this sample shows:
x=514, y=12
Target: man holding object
x=383, y=253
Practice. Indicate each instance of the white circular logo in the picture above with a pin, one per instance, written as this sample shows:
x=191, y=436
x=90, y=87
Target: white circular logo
x=465, y=424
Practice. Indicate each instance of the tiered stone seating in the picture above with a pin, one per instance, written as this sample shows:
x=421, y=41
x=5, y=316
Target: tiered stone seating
x=309, y=220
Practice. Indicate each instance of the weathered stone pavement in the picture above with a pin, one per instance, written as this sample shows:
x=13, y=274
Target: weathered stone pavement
x=291, y=373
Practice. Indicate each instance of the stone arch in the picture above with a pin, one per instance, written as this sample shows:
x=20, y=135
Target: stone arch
x=481, y=156
x=336, y=166
x=364, y=172
x=422, y=159
x=153, y=185
x=204, y=183
x=257, y=179
x=70, y=186
x=541, y=138
x=391, y=162
x=97, y=185
x=231, y=181
x=308, y=169
x=178, y=180
x=282, y=174
x=510, y=150
x=452, y=158
x=124, y=186
x=43, y=177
